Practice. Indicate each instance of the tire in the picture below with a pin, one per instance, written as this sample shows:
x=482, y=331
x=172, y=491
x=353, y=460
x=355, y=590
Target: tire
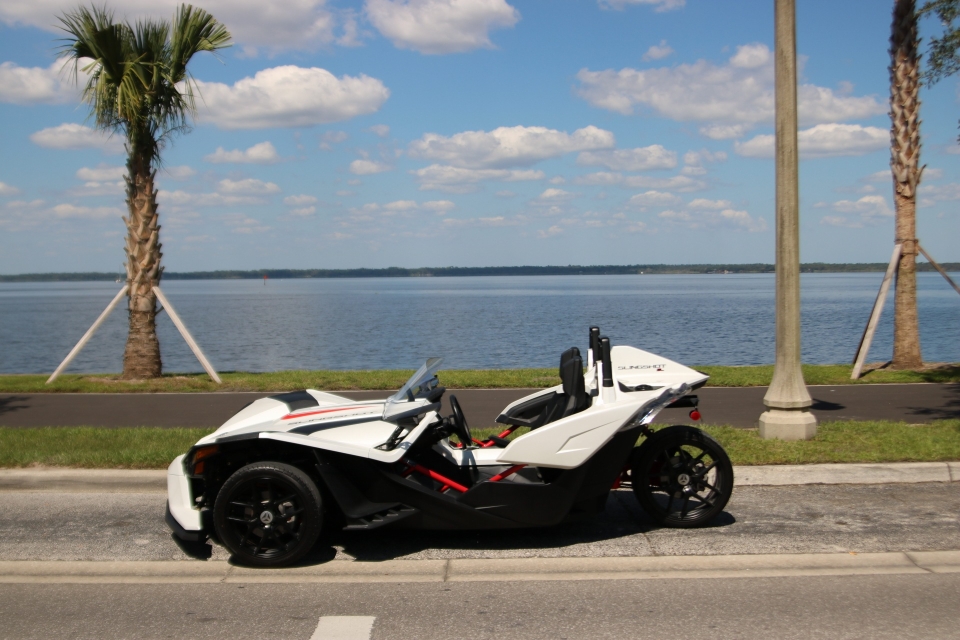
x=268, y=514
x=682, y=477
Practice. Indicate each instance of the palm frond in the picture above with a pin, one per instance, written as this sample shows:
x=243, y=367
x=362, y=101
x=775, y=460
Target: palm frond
x=137, y=75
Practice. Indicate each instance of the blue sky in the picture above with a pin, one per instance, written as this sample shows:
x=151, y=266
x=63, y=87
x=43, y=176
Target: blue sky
x=478, y=132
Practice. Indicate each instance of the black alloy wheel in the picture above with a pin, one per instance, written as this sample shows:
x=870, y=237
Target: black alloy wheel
x=268, y=514
x=682, y=477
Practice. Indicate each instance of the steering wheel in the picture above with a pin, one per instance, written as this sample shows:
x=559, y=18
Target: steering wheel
x=460, y=423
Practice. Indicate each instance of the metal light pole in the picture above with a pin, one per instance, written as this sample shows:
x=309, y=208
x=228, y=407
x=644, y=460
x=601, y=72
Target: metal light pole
x=787, y=400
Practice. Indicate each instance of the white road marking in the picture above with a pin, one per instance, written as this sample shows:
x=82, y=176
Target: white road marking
x=344, y=628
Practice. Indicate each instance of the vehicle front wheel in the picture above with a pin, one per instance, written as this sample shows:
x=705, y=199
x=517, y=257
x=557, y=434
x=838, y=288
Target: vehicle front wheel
x=268, y=514
x=682, y=477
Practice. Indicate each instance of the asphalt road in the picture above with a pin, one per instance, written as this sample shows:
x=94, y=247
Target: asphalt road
x=876, y=606
x=758, y=520
x=738, y=406
x=844, y=519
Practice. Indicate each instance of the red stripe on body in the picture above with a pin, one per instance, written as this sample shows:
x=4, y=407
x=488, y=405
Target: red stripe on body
x=290, y=416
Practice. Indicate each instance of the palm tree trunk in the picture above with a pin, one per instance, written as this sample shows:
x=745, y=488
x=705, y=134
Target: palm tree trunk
x=141, y=358
x=904, y=163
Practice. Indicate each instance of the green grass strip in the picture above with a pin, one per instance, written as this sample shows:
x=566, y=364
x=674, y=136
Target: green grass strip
x=154, y=448
x=455, y=379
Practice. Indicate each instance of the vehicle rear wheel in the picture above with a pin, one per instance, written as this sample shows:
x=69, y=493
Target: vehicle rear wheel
x=268, y=514
x=682, y=477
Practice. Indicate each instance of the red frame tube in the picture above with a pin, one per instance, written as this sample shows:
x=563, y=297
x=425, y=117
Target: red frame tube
x=433, y=475
x=490, y=443
x=509, y=472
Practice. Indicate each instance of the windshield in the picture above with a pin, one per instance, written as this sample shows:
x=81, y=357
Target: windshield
x=412, y=386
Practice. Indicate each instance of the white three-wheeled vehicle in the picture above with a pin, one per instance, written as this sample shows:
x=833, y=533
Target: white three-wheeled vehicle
x=283, y=469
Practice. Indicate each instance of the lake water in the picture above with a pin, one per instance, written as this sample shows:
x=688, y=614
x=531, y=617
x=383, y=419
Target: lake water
x=476, y=322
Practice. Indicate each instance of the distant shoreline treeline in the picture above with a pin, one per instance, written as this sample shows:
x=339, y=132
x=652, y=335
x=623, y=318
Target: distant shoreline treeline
x=446, y=272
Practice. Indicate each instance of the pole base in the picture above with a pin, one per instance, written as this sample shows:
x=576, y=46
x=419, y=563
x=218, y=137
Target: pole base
x=787, y=425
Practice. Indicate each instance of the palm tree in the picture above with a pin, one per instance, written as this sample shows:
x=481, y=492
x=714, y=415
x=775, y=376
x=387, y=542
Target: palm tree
x=904, y=163
x=139, y=86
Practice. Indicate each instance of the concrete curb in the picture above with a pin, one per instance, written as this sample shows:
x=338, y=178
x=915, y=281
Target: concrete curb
x=150, y=481
x=488, y=570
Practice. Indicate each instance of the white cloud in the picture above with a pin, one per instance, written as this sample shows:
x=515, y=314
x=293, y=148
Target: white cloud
x=724, y=131
x=94, y=188
x=857, y=213
x=658, y=5
x=289, y=96
x=654, y=199
x=550, y=232
x=930, y=194
x=712, y=218
x=751, y=56
x=728, y=98
x=36, y=85
x=368, y=167
x=299, y=201
x=683, y=184
x=658, y=51
x=102, y=173
x=823, y=141
x=181, y=172
x=183, y=198
x=694, y=160
x=243, y=224
x=841, y=221
x=400, y=205
x=76, y=136
x=702, y=204
x=94, y=213
x=7, y=190
x=438, y=177
x=441, y=207
x=381, y=130
x=330, y=138
x=440, y=26
x=508, y=146
x=249, y=186
x=556, y=195
x=261, y=153
x=303, y=212
x=639, y=159
x=293, y=24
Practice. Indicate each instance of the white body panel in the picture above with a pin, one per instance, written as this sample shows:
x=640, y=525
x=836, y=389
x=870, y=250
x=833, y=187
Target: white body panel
x=179, y=499
x=358, y=428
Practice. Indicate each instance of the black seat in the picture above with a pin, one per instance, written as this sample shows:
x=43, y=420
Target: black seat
x=574, y=398
x=548, y=408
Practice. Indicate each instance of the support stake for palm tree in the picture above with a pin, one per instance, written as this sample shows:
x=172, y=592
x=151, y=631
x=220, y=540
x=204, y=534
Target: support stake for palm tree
x=89, y=334
x=938, y=268
x=181, y=327
x=787, y=399
x=867, y=338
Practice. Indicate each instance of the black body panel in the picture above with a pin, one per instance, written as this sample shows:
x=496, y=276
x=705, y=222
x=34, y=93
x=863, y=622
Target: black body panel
x=376, y=494
x=296, y=400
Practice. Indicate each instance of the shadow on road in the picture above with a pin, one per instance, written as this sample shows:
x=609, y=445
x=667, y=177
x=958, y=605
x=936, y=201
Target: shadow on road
x=617, y=522
x=10, y=404
x=824, y=405
x=949, y=410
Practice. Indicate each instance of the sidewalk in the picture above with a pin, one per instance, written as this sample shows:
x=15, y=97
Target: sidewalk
x=487, y=570
x=66, y=480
